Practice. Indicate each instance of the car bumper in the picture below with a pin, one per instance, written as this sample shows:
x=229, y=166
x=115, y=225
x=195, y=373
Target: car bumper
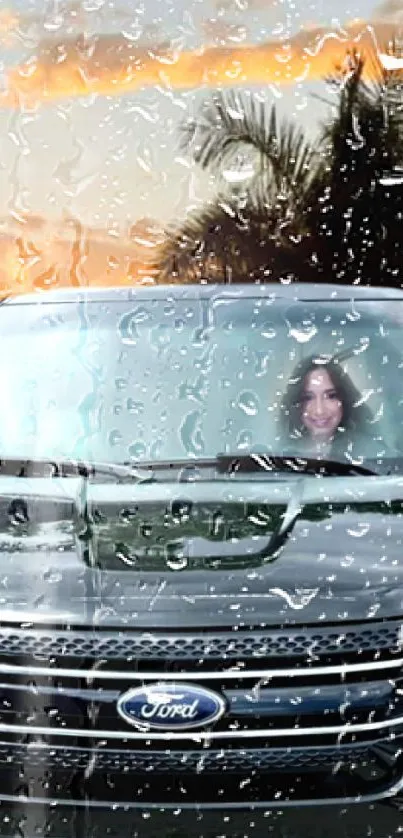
x=33, y=819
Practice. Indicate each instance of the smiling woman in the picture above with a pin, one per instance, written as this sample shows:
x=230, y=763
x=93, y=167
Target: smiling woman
x=323, y=411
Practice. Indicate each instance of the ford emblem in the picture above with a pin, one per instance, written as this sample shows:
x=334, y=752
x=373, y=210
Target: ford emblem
x=170, y=706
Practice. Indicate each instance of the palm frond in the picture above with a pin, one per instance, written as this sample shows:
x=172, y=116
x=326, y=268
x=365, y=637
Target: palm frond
x=234, y=126
x=223, y=243
x=372, y=106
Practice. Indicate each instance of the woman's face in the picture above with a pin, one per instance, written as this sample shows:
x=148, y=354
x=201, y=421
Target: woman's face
x=322, y=410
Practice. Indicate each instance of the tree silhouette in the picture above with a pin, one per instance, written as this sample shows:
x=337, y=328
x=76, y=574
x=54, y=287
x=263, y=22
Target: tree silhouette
x=356, y=211
x=288, y=210
x=266, y=171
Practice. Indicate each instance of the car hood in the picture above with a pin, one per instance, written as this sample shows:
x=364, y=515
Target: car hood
x=208, y=554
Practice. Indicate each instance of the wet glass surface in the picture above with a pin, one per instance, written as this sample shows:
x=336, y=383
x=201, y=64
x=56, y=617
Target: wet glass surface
x=201, y=445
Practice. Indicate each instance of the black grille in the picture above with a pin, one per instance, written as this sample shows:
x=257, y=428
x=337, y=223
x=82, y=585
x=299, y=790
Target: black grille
x=235, y=761
x=274, y=644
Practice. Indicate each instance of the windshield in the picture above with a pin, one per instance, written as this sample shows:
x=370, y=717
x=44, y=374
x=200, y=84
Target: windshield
x=126, y=381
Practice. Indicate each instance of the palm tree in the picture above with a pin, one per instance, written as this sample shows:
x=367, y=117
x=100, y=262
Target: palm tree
x=356, y=211
x=265, y=171
x=295, y=211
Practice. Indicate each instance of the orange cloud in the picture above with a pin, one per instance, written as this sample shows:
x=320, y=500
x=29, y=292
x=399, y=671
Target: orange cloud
x=37, y=255
x=114, y=65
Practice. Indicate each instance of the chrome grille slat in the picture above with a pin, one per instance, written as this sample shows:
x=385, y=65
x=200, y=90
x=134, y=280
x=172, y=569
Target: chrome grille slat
x=232, y=673
x=270, y=644
x=202, y=735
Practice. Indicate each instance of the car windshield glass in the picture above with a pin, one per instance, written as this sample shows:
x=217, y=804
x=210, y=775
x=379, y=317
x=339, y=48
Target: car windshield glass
x=153, y=379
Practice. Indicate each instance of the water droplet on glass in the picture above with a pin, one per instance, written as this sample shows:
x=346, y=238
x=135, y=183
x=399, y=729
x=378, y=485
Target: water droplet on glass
x=156, y=449
x=248, y=402
x=123, y=553
x=239, y=174
x=161, y=336
x=52, y=576
x=127, y=516
x=137, y=450
x=268, y=331
x=217, y=526
x=146, y=530
x=304, y=334
x=120, y=383
x=359, y=531
x=178, y=562
x=135, y=407
x=190, y=433
x=128, y=324
x=347, y=561
x=244, y=440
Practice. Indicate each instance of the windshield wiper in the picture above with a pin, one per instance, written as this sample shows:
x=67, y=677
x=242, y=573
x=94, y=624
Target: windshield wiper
x=54, y=467
x=247, y=463
x=230, y=464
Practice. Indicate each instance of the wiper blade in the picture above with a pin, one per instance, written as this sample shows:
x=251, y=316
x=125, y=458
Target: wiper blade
x=185, y=469
x=254, y=461
x=54, y=467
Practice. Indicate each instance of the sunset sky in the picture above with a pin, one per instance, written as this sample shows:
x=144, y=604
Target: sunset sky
x=83, y=136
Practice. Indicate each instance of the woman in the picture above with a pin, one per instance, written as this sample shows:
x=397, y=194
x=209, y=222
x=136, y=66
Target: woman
x=323, y=412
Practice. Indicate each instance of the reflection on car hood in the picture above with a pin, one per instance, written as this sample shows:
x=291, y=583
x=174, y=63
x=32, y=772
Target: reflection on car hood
x=239, y=553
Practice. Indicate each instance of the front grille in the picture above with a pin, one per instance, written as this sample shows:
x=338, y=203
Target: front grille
x=309, y=642
x=299, y=701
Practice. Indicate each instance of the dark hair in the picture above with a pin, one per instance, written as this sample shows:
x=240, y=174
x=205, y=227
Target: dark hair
x=355, y=415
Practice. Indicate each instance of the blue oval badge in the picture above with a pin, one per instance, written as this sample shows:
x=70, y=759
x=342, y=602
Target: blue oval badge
x=170, y=706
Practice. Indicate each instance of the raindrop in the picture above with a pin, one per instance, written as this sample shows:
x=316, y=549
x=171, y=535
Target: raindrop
x=137, y=450
x=304, y=334
x=181, y=510
x=123, y=553
x=127, y=330
x=244, y=440
x=156, y=449
x=178, y=562
x=217, y=526
x=146, y=530
x=161, y=336
x=127, y=516
x=52, y=576
x=239, y=174
x=268, y=331
x=115, y=437
x=120, y=383
x=135, y=407
x=364, y=344
x=361, y=529
x=191, y=433
x=248, y=402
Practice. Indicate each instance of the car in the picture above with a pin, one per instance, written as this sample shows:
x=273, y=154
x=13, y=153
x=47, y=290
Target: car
x=201, y=604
